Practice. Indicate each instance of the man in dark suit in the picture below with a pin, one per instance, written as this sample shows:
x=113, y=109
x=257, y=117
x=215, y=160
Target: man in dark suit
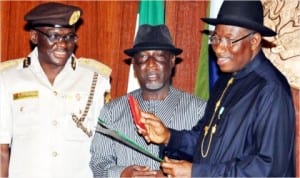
x=248, y=126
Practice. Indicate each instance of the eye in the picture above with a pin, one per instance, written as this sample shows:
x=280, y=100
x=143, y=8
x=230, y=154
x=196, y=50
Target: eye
x=214, y=39
x=70, y=37
x=141, y=58
x=160, y=57
x=54, y=37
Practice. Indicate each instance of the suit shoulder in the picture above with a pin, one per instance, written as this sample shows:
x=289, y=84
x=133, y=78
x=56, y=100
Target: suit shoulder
x=13, y=63
x=95, y=65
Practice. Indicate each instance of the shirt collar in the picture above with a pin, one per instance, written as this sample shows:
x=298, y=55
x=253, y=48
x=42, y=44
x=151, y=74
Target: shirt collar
x=37, y=66
x=138, y=93
x=251, y=66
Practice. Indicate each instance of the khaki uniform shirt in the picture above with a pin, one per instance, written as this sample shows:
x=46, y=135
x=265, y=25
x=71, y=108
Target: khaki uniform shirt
x=36, y=117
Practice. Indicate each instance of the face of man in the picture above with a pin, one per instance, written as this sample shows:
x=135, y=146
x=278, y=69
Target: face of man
x=153, y=69
x=234, y=47
x=55, y=45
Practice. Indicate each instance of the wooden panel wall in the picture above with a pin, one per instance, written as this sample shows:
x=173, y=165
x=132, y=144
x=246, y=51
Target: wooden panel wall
x=107, y=30
x=184, y=21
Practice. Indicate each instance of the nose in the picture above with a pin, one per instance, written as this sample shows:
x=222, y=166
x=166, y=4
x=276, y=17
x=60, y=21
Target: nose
x=219, y=48
x=62, y=42
x=151, y=62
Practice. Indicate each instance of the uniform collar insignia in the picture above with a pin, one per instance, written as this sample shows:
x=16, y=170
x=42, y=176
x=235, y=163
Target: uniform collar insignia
x=26, y=62
x=73, y=63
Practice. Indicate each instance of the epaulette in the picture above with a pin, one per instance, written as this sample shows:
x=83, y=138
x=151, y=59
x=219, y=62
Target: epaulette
x=95, y=65
x=11, y=63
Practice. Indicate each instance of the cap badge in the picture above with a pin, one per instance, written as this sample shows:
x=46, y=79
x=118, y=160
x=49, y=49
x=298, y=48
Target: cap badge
x=74, y=17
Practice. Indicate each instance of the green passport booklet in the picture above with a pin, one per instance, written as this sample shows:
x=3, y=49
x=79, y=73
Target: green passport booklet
x=103, y=128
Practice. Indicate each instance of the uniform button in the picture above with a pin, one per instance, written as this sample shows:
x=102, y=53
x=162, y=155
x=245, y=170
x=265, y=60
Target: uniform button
x=55, y=93
x=54, y=153
x=54, y=122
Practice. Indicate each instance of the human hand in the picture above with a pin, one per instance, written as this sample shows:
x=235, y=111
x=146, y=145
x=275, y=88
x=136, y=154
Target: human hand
x=138, y=171
x=176, y=168
x=160, y=174
x=156, y=131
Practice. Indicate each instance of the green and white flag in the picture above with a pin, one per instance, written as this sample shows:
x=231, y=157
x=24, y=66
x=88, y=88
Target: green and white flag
x=151, y=12
x=206, y=73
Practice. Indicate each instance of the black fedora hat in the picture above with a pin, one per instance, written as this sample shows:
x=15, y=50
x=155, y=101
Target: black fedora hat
x=153, y=38
x=246, y=14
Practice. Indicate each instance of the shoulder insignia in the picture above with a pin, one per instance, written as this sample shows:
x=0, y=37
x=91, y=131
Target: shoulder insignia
x=11, y=63
x=95, y=65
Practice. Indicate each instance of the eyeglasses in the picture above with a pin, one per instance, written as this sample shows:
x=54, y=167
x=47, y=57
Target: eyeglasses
x=216, y=40
x=161, y=57
x=54, y=37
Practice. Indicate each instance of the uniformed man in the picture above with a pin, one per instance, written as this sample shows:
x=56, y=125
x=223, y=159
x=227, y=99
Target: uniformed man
x=50, y=100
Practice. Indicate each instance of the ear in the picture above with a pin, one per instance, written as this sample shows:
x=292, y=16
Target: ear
x=256, y=41
x=173, y=60
x=134, y=65
x=33, y=36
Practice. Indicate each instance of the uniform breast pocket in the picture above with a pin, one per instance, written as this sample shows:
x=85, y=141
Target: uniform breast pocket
x=26, y=115
x=78, y=122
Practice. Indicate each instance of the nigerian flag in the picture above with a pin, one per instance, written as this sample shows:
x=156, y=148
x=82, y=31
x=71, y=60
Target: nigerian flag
x=207, y=72
x=152, y=13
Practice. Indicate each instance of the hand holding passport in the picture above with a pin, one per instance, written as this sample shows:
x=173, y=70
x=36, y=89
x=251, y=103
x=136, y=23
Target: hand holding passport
x=136, y=115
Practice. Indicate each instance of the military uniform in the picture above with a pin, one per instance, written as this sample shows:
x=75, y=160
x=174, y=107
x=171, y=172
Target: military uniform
x=49, y=125
x=39, y=119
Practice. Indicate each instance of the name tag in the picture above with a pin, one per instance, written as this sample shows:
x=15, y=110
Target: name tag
x=25, y=95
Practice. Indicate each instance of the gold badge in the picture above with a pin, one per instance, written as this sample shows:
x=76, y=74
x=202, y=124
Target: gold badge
x=25, y=94
x=74, y=17
x=107, y=97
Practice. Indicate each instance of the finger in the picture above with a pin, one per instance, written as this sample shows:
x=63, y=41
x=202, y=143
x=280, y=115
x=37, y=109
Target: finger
x=142, y=168
x=145, y=114
x=166, y=159
x=167, y=171
x=144, y=174
x=143, y=132
x=148, y=116
x=147, y=138
x=143, y=119
x=140, y=131
x=166, y=165
x=175, y=161
x=172, y=160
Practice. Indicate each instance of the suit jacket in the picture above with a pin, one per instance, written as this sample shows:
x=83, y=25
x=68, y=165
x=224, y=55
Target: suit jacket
x=253, y=128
